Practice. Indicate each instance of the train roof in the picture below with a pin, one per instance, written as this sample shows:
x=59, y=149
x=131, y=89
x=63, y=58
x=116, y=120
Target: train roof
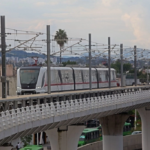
x=87, y=130
x=31, y=67
x=63, y=68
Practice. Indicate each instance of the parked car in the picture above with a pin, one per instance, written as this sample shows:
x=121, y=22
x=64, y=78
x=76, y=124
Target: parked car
x=136, y=132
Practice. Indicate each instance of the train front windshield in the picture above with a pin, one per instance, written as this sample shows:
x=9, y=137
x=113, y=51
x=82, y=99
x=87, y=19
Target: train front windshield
x=29, y=76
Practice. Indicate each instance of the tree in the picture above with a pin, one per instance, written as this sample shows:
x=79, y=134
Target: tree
x=26, y=140
x=117, y=66
x=69, y=63
x=61, y=38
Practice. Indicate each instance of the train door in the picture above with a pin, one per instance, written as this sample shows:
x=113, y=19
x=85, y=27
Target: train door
x=86, y=78
x=94, y=78
x=78, y=79
x=43, y=86
x=104, y=81
x=114, y=83
x=67, y=79
x=55, y=80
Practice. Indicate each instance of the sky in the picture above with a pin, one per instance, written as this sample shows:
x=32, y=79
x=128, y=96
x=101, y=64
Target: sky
x=125, y=21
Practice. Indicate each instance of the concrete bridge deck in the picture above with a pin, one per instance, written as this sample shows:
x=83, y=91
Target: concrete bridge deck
x=35, y=118
x=113, y=90
x=28, y=100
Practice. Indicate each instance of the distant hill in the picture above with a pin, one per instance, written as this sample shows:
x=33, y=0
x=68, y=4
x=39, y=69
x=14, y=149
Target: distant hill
x=23, y=54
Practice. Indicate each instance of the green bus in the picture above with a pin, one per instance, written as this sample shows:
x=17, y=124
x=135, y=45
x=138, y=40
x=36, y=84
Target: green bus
x=127, y=129
x=89, y=135
x=32, y=147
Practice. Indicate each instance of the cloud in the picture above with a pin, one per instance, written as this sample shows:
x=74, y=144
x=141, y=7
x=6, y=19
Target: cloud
x=110, y=2
x=49, y=3
x=121, y=20
x=136, y=25
x=40, y=3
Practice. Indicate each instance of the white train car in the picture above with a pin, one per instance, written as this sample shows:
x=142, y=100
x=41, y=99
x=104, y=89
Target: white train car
x=103, y=77
x=34, y=79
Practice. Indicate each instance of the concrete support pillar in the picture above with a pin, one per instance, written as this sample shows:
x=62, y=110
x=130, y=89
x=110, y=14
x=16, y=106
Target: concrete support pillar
x=112, y=128
x=65, y=138
x=145, y=117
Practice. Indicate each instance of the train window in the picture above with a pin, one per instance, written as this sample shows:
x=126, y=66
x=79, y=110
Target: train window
x=59, y=78
x=94, y=76
x=91, y=135
x=43, y=78
x=67, y=76
x=86, y=75
x=100, y=76
x=55, y=78
x=114, y=75
x=29, y=76
x=78, y=76
x=107, y=74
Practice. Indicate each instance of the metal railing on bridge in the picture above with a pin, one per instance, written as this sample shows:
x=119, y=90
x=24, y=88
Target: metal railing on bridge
x=22, y=115
x=28, y=100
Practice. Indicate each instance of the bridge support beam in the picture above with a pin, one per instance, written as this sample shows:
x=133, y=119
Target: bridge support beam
x=112, y=127
x=65, y=138
x=145, y=117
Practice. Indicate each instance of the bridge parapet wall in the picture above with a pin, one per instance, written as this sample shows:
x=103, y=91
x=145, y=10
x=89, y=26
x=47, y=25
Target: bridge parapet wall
x=81, y=107
x=28, y=100
x=49, y=115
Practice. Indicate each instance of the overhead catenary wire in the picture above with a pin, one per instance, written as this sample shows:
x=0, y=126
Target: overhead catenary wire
x=76, y=48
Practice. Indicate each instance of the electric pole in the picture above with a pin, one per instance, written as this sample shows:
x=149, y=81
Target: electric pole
x=3, y=51
x=48, y=60
x=109, y=64
x=135, y=67
x=121, y=58
x=90, y=85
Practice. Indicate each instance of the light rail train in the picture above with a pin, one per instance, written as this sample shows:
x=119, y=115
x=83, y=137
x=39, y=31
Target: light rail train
x=34, y=79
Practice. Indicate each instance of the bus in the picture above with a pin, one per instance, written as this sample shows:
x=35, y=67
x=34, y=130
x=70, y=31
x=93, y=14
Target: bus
x=89, y=135
x=127, y=129
x=32, y=147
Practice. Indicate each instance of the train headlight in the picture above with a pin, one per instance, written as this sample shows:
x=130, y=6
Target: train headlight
x=38, y=87
x=18, y=88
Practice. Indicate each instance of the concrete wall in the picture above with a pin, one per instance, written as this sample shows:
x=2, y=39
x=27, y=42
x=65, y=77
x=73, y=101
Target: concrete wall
x=12, y=86
x=7, y=148
x=131, y=142
x=9, y=70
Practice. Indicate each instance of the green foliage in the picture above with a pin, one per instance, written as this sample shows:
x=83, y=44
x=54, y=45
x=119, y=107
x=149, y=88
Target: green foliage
x=69, y=63
x=61, y=37
x=131, y=71
x=26, y=140
x=117, y=66
x=140, y=75
x=138, y=122
x=131, y=112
